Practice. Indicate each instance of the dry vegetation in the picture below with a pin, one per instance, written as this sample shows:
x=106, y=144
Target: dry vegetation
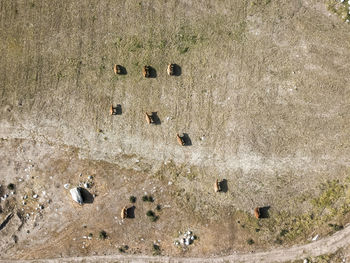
x=262, y=100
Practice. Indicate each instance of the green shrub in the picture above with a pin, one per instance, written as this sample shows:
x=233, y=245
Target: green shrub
x=11, y=186
x=103, y=234
x=250, y=241
x=150, y=213
x=132, y=199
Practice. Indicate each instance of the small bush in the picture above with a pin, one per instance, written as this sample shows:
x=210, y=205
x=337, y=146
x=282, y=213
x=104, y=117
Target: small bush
x=123, y=249
x=150, y=213
x=156, y=250
x=158, y=207
x=11, y=186
x=147, y=198
x=103, y=234
x=132, y=199
x=154, y=218
x=250, y=241
x=336, y=227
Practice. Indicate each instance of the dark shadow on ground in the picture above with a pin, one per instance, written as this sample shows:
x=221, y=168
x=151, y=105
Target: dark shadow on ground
x=187, y=139
x=177, y=70
x=152, y=72
x=86, y=195
x=122, y=70
x=223, y=186
x=264, y=212
x=156, y=118
x=131, y=212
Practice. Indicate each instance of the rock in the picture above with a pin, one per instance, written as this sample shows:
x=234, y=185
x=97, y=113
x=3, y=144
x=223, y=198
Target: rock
x=66, y=186
x=76, y=195
x=35, y=196
x=90, y=177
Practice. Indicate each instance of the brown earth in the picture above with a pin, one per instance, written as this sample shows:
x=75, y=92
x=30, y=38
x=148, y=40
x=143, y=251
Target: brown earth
x=263, y=96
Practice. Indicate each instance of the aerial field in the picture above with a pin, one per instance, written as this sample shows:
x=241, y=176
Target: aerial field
x=262, y=97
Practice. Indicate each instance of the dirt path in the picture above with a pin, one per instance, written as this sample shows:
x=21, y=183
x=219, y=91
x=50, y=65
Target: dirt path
x=326, y=245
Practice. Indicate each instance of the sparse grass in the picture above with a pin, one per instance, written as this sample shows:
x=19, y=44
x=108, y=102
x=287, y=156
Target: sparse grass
x=183, y=50
x=340, y=9
x=260, y=3
x=325, y=216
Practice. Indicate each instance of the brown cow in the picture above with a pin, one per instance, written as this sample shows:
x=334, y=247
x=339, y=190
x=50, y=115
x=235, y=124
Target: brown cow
x=146, y=71
x=180, y=140
x=124, y=212
x=217, y=186
x=117, y=69
x=149, y=118
x=171, y=69
x=257, y=212
x=113, y=110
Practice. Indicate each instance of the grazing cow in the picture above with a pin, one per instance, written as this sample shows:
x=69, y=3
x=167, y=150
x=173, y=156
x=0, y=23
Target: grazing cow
x=124, y=212
x=257, y=212
x=149, y=118
x=113, y=110
x=171, y=69
x=217, y=186
x=117, y=69
x=180, y=140
x=146, y=71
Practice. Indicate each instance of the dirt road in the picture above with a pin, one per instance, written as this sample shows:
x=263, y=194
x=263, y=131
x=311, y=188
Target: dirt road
x=327, y=245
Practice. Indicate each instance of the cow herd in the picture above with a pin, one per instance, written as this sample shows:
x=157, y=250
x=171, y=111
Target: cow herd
x=149, y=72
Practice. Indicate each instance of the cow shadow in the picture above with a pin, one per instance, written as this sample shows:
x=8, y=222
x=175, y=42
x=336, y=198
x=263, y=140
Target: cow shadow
x=131, y=212
x=152, y=72
x=264, y=212
x=177, y=70
x=88, y=198
x=123, y=70
x=187, y=139
x=223, y=186
x=156, y=118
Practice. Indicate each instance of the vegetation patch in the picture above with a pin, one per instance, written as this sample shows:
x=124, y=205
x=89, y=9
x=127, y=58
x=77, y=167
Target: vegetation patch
x=340, y=8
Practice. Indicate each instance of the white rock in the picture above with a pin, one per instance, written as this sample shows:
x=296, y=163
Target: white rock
x=89, y=177
x=170, y=183
x=86, y=185
x=35, y=196
x=66, y=186
x=76, y=195
x=315, y=238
